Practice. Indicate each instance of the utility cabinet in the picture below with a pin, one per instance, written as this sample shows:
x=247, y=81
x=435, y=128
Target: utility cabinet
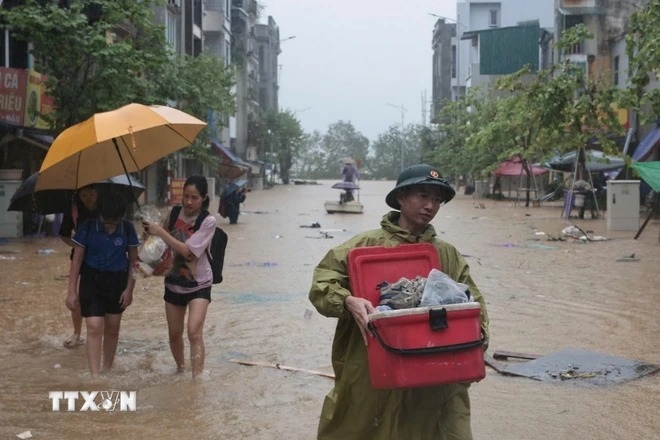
x=11, y=222
x=623, y=205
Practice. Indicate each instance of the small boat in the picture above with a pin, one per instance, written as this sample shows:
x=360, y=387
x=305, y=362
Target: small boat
x=346, y=204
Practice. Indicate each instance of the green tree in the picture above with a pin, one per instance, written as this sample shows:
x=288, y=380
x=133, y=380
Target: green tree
x=340, y=141
x=200, y=86
x=393, y=150
x=445, y=144
x=536, y=116
x=311, y=160
x=284, y=137
x=98, y=55
x=643, y=50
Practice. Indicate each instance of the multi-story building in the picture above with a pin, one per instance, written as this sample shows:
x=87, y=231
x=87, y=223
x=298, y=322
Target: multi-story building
x=444, y=65
x=507, y=34
x=243, y=20
x=216, y=27
x=602, y=57
x=268, y=48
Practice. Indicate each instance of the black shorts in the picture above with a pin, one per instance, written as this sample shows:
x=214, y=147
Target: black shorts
x=182, y=299
x=100, y=291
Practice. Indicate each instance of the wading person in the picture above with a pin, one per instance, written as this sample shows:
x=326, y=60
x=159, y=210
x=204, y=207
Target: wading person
x=353, y=409
x=84, y=207
x=188, y=283
x=233, y=204
x=105, y=252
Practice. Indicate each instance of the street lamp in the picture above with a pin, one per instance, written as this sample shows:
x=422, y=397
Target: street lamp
x=402, y=109
x=458, y=49
x=286, y=39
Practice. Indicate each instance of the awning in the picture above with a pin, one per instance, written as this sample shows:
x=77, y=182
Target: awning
x=650, y=172
x=648, y=144
x=231, y=166
x=514, y=167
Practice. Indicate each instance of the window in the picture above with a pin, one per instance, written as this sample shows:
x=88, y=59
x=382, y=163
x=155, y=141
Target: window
x=172, y=30
x=615, y=71
x=492, y=18
x=453, y=61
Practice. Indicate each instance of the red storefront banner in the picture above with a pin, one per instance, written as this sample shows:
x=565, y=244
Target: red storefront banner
x=23, y=98
x=13, y=86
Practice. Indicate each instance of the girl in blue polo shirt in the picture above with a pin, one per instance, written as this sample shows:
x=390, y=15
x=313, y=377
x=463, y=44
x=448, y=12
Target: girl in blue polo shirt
x=104, y=253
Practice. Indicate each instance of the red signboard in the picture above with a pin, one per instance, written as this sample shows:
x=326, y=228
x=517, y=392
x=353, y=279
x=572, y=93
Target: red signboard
x=13, y=84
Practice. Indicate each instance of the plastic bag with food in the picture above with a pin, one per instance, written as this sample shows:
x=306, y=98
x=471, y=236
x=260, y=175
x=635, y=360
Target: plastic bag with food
x=154, y=256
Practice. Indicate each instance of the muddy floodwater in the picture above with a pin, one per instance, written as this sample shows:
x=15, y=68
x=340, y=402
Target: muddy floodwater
x=542, y=296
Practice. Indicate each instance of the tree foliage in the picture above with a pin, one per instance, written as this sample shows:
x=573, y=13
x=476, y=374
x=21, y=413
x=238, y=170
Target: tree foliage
x=91, y=66
x=311, y=156
x=393, y=150
x=643, y=50
x=284, y=137
x=200, y=86
x=446, y=146
x=101, y=54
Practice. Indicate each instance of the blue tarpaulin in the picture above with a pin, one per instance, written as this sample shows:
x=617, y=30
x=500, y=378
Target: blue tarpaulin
x=645, y=148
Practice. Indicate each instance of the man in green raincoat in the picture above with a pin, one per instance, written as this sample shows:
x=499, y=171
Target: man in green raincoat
x=353, y=410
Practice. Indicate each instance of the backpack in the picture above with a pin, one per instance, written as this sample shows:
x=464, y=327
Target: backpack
x=222, y=208
x=216, y=250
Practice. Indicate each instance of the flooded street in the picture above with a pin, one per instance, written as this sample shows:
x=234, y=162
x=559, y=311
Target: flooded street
x=542, y=296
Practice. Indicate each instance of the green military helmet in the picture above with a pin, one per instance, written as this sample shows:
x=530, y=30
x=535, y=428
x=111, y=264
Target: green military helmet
x=421, y=174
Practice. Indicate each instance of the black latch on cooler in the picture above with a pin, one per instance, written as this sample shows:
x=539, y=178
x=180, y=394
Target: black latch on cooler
x=438, y=319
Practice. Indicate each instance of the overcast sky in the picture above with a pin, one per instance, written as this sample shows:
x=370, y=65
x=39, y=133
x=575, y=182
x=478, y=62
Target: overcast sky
x=350, y=58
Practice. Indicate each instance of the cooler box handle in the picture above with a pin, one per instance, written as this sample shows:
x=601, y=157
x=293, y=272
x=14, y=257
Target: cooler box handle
x=438, y=319
x=422, y=350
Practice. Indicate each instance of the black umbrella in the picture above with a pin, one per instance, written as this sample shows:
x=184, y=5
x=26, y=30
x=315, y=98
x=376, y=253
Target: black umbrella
x=232, y=187
x=53, y=201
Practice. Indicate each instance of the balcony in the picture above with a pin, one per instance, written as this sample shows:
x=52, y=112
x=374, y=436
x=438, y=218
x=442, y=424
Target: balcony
x=238, y=14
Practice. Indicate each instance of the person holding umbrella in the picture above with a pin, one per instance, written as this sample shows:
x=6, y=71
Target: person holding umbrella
x=350, y=174
x=83, y=208
x=104, y=254
x=230, y=200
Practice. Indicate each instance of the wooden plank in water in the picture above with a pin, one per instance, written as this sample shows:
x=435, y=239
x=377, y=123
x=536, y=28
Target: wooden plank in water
x=504, y=355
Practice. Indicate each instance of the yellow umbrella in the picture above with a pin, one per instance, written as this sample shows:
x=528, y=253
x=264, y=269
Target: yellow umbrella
x=124, y=140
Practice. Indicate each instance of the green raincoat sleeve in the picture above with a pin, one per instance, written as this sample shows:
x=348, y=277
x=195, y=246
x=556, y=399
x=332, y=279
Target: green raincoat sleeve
x=353, y=409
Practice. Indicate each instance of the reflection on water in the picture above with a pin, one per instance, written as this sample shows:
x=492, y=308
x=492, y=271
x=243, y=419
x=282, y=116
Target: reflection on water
x=541, y=299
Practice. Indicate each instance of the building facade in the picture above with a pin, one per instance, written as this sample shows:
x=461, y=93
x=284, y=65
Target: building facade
x=444, y=65
x=457, y=47
x=268, y=48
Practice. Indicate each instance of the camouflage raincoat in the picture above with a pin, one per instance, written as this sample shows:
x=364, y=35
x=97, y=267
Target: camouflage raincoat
x=353, y=410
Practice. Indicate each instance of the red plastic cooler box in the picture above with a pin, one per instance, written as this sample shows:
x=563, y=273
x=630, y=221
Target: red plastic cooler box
x=416, y=347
